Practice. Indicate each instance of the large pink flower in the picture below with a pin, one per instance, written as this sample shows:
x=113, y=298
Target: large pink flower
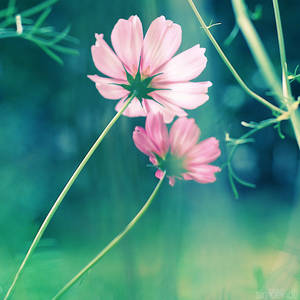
x=177, y=152
x=146, y=67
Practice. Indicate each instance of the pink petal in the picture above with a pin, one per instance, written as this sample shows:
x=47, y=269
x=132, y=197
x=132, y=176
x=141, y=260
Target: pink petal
x=162, y=40
x=107, y=87
x=203, y=174
x=168, y=110
x=106, y=61
x=171, y=180
x=184, y=66
x=153, y=160
x=184, y=135
x=127, y=40
x=203, y=153
x=189, y=95
x=142, y=141
x=157, y=131
x=159, y=174
x=186, y=176
x=134, y=109
x=153, y=107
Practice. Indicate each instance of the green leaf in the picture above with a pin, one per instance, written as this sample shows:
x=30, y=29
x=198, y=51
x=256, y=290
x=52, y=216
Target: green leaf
x=231, y=181
x=34, y=10
x=27, y=21
x=278, y=127
x=65, y=50
x=234, y=32
x=8, y=34
x=241, y=181
x=51, y=54
x=257, y=14
x=41, y=19
x=45, y=31
x=7, y=12
x=60, y=36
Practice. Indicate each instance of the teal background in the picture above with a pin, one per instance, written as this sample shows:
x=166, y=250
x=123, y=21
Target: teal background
x=196, y=241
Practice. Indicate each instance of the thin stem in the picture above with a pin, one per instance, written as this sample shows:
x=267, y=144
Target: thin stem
x=63, y=194
x=286, y=88
x=115, y=241
x=229, y=65
x=257, y=48
x=281, y=47
x=245, y=139
x=29, y=12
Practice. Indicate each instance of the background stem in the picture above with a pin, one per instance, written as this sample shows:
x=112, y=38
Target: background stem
x=257, y=48
x=63, y=194
x=286, y=88
x=229, y=65
x=115, y=241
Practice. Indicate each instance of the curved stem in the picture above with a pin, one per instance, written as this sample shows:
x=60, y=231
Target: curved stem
x=286, y=88
x=229, y=65
x=231, y=174
x=281, y=48
x=63, y=194
x=257, y=48
x=112, y=243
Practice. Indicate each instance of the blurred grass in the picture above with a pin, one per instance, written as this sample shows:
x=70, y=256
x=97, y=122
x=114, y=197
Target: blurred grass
x=168, y=256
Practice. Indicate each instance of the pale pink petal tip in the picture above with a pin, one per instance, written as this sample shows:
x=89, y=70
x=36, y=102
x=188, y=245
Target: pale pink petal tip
x=162, y=40
x=171, y=181
x=204, y=173
x=109, y=88
x=203, y=153
x=185, y=66
x=134, y=109
x=184, y=135
x=127, y=40
x=158, y=132
x=98, y=37
x=159, y=174
x=142, y=141
x=105, y=60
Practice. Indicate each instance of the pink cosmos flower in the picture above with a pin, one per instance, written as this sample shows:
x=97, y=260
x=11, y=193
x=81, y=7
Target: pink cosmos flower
x=177, y=152
x=146, y=67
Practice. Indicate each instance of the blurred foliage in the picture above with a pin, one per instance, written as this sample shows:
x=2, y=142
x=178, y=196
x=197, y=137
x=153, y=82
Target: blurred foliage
x=44, y=37
x=196, y=241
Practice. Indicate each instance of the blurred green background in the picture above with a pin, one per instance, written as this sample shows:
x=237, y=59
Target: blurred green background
x=196, y=241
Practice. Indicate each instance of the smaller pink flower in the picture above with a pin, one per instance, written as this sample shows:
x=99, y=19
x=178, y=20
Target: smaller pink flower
x=177, y=151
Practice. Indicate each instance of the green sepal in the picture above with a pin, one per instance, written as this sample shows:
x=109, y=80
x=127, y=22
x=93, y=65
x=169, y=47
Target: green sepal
x=138, y=76
x=129, y=77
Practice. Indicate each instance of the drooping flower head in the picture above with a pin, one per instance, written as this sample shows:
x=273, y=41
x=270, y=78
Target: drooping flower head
x=146, y=67
x=177, y=151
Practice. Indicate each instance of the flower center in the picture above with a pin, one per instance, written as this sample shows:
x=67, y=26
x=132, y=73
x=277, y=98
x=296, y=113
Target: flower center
x=173, y=165
x=139, y=86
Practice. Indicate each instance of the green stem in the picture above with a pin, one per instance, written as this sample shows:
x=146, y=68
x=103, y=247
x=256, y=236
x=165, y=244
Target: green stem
x=229, y=65
x=115, y=241
x=63, y=194
x=231, y=173
x=257, y=48
x=281, y=48
x=287, y=93
x=29, y=12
